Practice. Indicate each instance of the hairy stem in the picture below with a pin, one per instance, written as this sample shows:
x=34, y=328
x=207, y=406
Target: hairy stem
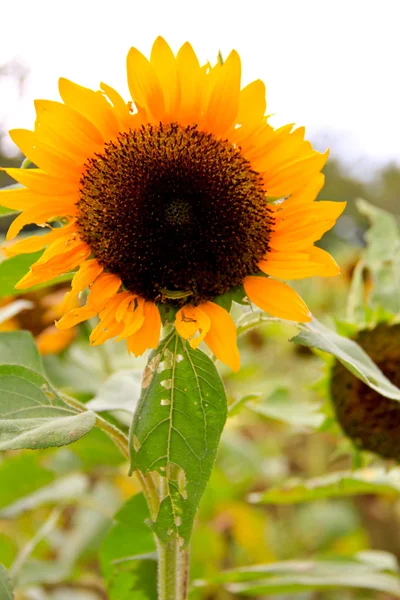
x=173, y=565
x=251, y=320
x=173, y=570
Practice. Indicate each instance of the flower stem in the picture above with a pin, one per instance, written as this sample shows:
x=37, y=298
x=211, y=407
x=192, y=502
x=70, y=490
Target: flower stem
x=173, y=563
x=173, y=559
x=173, y=570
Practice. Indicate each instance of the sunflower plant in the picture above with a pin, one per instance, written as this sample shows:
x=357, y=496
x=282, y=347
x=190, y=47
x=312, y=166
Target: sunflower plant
x=177, y=217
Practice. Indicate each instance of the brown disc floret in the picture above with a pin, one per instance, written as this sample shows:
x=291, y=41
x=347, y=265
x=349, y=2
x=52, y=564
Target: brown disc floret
x=371, y=420
x=174, y=212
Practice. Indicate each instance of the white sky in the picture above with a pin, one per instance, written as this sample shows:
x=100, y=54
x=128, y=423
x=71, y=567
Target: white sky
x=331, y=65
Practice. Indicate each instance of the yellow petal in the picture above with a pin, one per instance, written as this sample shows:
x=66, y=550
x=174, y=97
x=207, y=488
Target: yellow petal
x=103, y=289
x=148, y=335
x=191, y=79
x=41, y=183
x=299, y=265
x=223, y=105
x=282, y=149
x=38, y=242
x=252, y=104
x=62, y=256
x=83, y=278
x=91, y=105
x=276, y=298
x=293, y=176
x=52, y=340
x=191, y=320
x=299, y=227
x=289, y=265
x=49, y=159
x=309, y=192
x=87, y=274
x=292, y=214
x=75, y=316
x=163, y=62
x=57, y=123
x=144, y=85
x=108, y=327
x=133, y=318
x=63, y=206
x=64, y=244
x=221, y=338
x=120, y=107
x=328, y=265
x=21, y=198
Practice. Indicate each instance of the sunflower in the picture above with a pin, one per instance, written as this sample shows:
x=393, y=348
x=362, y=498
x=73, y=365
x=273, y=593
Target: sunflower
x=172, y=199
x=46, y=305
x=371, y=420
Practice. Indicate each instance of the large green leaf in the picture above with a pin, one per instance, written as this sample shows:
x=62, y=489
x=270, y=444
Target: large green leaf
x=176, y=430
x=32, y=414
x=128, y=552
x=373, y=480
x=316, y=335
x=295, y=576
x=5, y=585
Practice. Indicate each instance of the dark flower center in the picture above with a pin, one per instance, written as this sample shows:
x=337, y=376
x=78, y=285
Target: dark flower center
x=174, y=212
x=371, y=420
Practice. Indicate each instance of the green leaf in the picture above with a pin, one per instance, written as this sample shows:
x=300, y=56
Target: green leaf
x=321, y=574
x=355, y=302
x=96, y=450
x=86, y=528
x=32, y=415
x=12, y=270
x=61, y=491
x=176, y=430
x=283, y=406
x=121, y=391
x=5, y=585
x=250, y=320
x=21, y=475
x=236, y=407
x=316, y=335
x=382, y=256
x=5, y=212
x=372, y=480
x=383, y=235
x=123, y=550
x=225, y=301
x=19, y=348
x=90, y=523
